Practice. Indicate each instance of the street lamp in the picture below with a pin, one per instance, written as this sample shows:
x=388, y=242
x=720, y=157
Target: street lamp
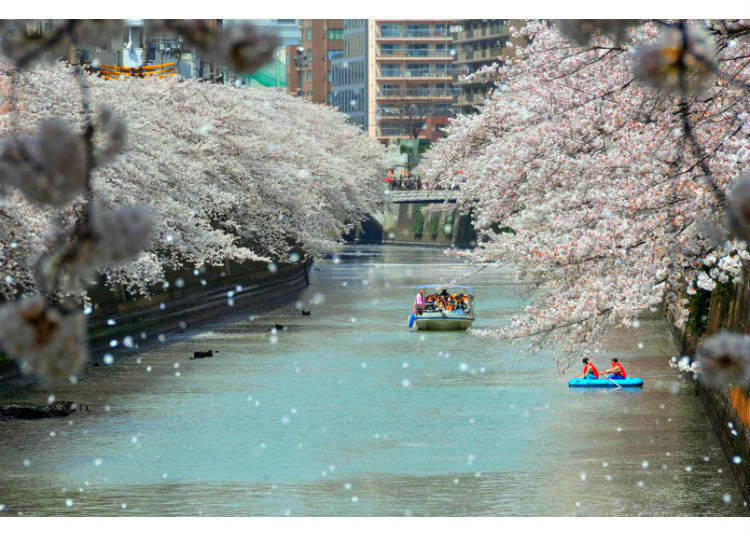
x=299, y=63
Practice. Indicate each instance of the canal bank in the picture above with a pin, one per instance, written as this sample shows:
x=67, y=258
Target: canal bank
x=187, y=298
x=727, y=308
x=349, y=413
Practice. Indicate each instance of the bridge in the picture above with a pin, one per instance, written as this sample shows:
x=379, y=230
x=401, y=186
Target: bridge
x=412, y=196
x=400, y=219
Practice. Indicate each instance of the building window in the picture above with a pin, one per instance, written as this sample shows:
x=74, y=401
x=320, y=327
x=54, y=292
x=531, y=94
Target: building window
x=390, y=69
x=309, y=35
x=390, y=30
x=417, y=30
x=334, y=54
x=336, y=34
x=417, y=50
x=417, y=69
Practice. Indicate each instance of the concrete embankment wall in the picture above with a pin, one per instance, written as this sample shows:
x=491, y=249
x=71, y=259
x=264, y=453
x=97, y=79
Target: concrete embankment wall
x=727, y=408
x=188, y=300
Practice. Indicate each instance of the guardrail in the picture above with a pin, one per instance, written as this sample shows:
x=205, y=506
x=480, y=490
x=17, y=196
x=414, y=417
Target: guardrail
x=412, y=34
x=405, y=73
x=418, y=92
x=415, y=53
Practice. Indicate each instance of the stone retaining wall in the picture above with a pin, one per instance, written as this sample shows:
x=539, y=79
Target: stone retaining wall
x=227, y=289
x=729, y=408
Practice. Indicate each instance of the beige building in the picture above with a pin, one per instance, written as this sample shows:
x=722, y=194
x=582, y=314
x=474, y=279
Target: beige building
x=410, y=74
x=479, y=42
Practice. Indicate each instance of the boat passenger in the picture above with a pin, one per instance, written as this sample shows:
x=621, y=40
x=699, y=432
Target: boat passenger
x=617, y=372
x=589, y=370
x=420, y=301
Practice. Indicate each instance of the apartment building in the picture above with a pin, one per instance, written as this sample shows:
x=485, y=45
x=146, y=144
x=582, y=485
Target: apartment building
x=308, y=66
x=410, y=74
x=479, y=42
x=349, y=91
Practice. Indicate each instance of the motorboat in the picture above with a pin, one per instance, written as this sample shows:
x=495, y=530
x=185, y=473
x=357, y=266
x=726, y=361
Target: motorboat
x=447, y=308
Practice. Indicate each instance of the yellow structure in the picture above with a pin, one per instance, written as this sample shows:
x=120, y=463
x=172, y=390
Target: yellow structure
x=161, y=70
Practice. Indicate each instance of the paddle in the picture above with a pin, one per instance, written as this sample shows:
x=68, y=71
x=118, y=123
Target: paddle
x=613, y=381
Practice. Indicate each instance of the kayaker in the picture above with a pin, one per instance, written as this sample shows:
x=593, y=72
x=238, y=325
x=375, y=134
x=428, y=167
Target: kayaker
x=617, y=371
x=589, y=370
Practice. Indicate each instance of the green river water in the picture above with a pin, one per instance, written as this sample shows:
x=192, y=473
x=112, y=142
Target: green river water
x=348, y=413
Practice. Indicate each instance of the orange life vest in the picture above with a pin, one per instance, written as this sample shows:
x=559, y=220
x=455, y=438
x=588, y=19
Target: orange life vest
x=593, y=369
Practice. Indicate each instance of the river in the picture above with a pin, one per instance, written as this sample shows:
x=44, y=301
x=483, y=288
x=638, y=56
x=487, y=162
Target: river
x=348, y=413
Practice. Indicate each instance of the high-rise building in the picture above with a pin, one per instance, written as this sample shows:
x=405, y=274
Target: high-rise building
x=410, y=74
x=349, y=90
x=308, y=69
x=479, y=42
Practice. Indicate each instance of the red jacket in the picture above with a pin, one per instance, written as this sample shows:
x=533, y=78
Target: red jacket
x=593, y=369
x=621, y=370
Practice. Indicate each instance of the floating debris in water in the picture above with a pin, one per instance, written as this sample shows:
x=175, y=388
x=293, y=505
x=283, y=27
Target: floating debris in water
x=108, y=359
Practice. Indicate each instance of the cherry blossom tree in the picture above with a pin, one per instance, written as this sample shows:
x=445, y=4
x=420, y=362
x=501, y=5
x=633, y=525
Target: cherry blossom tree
x=205, y=174
x=610, y=155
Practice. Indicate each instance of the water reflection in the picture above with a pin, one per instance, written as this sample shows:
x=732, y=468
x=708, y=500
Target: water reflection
x=348, y=413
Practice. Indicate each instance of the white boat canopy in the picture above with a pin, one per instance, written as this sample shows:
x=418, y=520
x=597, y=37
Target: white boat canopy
x=440, y=288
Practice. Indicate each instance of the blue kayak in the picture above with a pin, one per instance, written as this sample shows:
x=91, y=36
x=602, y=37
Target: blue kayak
x=603, y=382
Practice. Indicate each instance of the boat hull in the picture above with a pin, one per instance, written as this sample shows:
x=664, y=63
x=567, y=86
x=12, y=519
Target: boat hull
x=603, y=382
x=443, y=323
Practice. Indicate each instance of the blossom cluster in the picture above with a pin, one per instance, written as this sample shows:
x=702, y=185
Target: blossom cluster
x=590, y=168
x=206, y=174
x=226, y=173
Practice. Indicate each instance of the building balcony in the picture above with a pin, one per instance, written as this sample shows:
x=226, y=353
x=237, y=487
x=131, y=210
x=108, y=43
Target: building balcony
x=415, y=93
x=415, y=54
x=386, y=117
x=401, y=33
x=445, y=74
x=478, y=34
x=483, y=54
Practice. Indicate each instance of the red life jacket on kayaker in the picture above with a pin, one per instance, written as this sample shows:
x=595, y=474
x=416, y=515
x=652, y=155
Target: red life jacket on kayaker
x=621, y=369
x=593, y=369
